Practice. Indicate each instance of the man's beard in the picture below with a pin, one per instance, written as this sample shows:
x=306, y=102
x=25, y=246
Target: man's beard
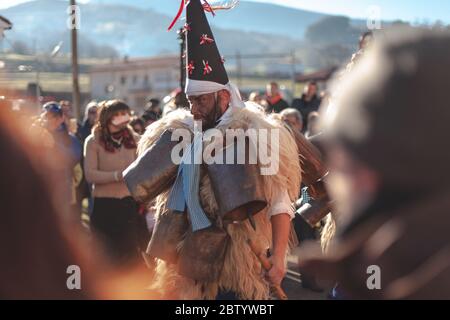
x=209, y=122
x=212, y=117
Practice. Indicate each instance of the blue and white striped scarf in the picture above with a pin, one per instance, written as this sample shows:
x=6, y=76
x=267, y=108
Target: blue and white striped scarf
x=185, y=191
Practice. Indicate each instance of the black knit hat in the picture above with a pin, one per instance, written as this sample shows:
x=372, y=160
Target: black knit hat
x=203, y=60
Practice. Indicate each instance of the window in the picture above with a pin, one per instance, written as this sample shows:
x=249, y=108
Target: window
x=123, y=80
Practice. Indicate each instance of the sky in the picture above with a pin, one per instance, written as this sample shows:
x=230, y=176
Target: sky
x=408, y=10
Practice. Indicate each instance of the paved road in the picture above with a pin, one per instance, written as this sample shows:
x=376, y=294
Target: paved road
x=292, y=285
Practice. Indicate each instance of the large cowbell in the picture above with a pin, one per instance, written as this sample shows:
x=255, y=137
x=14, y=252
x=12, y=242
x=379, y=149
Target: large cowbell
x=154, y=171
x=238, y=187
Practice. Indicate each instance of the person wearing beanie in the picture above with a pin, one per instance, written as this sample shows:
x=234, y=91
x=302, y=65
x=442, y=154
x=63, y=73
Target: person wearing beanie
x=65, y=146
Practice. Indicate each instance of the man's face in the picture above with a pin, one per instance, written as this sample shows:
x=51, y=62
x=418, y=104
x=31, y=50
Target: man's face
x=207, y=109
x=272, y=90
x=311, y=90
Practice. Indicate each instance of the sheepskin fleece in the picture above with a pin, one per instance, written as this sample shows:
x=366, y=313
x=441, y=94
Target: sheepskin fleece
x=242, y=272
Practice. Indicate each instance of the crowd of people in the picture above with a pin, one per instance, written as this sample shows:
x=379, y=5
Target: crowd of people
x=98, y=149
x=385, y=198
x=301, y=110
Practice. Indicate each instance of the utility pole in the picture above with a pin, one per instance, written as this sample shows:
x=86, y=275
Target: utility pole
x=182, y=41
x=239, y=68
x=293, y=61
x=37, y=68
x=5, y=24
x=75, y=72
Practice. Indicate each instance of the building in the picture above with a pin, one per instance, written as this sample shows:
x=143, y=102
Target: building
x=135, y=80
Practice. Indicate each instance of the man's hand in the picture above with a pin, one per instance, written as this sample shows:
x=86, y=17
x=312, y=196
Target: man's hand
x=281, y=224
x=278, y=271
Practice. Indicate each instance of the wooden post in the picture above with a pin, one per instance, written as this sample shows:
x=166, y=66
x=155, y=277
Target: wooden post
x=239, y=69
x=75, y=72
x=183, y=53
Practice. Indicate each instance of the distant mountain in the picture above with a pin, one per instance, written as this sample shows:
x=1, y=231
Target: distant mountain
x=139, y=28
x=247, y=16
x=131, y=30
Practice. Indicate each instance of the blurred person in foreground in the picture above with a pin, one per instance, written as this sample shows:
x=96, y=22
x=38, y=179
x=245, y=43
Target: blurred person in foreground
x=36, y=244
x=40, y=250
x=109, y=150
x=275, y=102
x=389, y=174
x=365, y=40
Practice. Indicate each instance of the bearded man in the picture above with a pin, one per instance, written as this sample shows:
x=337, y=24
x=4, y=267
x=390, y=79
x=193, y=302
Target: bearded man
x=206, y=212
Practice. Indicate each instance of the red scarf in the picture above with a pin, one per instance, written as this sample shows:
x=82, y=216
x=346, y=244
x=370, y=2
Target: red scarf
x=274, y=99
x=124, y=136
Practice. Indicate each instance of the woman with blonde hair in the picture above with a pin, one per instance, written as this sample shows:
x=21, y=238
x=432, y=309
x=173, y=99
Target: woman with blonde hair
x=109, y=150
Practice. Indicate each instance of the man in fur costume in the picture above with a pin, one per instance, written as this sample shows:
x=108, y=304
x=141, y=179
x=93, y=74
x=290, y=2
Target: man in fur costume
x=207, y=212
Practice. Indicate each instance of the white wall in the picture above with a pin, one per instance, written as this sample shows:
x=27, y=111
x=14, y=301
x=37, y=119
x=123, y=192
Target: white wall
x=160, y=82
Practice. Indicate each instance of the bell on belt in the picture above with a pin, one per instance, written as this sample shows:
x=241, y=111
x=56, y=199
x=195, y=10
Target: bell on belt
x=314, y=172
x=169, y=231
x=238, y=188
x=203, y=254
x=315, y=211
x=154, y=171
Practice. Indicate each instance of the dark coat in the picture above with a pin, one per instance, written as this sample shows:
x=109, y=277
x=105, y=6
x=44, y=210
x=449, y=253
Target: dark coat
x=306, y=107
x=277, y=107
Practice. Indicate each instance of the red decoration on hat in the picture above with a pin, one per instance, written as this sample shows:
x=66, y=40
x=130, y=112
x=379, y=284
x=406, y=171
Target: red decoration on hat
x=207, y=7
x=207, y=69
x=179, y=13
x=190, y=67
x=204, y=39
x=222, y=59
